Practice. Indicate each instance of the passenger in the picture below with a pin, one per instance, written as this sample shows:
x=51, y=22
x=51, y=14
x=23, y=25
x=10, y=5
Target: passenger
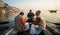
x=30, y=16
x=21, y=25
x=35, y=27
x=42, y=24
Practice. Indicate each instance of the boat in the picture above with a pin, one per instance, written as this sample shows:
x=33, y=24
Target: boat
x=48, y=31
x=52, y=11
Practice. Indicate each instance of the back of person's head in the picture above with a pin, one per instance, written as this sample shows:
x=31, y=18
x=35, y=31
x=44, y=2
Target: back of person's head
x=21, y=13
x=38, y=12
x=30, y=10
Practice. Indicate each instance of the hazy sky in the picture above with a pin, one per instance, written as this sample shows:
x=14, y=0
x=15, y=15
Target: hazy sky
x=34, y=4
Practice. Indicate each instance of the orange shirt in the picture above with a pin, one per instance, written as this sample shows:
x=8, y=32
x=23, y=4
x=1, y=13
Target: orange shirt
x=37, y=20
x=23, y=21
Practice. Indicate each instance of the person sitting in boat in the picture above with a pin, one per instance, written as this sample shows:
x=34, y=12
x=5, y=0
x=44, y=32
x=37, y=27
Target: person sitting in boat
x=20, y=23
x=39, y=25
x=35, y=27
x=42, y=23
x=30, y=16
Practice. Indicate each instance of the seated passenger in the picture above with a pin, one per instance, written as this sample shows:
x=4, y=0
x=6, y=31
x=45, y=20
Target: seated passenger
x=35, y=27
x=20, y=24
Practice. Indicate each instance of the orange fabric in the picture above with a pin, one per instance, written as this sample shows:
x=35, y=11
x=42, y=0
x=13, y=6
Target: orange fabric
x=22, y=21
x=37, y=20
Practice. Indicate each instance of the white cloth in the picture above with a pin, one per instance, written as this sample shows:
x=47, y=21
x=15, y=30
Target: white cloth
x=34, y=29
x=43, y=21
x=26, y=26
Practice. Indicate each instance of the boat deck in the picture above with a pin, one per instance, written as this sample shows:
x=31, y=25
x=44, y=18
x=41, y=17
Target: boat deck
x=9, y=31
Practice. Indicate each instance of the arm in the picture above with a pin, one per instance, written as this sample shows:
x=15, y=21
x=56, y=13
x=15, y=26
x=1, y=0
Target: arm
x=43, y=21
x=28, y=15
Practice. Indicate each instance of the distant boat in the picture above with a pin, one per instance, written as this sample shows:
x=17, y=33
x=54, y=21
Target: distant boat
x=52, y=11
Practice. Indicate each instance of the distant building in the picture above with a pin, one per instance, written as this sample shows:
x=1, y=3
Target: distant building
x=4, y=11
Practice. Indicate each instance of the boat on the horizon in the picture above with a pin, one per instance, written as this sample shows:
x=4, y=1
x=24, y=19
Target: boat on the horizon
x=52, y=11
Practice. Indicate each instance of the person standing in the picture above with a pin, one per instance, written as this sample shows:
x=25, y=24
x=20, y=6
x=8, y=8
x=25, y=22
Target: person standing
x=30, y=16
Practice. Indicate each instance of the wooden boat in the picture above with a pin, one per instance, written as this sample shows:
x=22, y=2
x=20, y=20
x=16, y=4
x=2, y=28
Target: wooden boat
x=48, y=31
x=52, y=11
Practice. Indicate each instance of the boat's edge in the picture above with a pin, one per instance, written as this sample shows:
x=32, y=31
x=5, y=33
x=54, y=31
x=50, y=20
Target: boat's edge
x=52, y=30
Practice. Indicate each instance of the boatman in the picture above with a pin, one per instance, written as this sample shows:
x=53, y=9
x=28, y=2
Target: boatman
x=30, y=16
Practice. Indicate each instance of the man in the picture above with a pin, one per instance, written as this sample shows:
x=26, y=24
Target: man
x=42, y=24
x=30, y=16
x=19, y=23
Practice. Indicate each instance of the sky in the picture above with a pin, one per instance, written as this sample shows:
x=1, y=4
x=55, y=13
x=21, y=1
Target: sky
x=34, y=4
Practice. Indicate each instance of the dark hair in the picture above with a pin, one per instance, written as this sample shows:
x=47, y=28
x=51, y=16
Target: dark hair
x=37, y=12
x=21, y=13
x=30, y=10
x=37, y=20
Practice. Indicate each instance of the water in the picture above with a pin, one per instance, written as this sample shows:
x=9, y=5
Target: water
x=53, y=20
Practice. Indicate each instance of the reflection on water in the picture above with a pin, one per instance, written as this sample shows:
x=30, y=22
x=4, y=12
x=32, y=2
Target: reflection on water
x=53, y=20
